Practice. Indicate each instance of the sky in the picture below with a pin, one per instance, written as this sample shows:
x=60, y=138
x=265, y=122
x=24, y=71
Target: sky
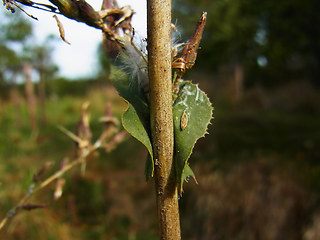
x=79, y=59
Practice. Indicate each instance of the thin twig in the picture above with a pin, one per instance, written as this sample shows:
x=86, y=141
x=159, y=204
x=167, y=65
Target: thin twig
x=29, y=15
x=32, y=189
x=51, y=9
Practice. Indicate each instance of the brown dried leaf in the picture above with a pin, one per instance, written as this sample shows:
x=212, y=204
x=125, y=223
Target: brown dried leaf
x=189, y=53
x=190, y=50
x=61, y=29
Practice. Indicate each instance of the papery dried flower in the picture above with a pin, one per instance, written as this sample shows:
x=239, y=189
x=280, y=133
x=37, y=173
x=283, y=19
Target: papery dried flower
x=60, y=182
x=110, y=124
x=188, y=54
x=83, y=130
x=84, y=133
x=118, y=20
x=61, y=29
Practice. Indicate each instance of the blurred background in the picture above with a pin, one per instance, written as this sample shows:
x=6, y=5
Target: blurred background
x=258, y=169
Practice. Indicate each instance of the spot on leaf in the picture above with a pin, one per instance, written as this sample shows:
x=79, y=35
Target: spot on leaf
x=183, y=121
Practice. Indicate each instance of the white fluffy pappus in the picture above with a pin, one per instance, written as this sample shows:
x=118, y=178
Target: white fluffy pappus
x=135, y=57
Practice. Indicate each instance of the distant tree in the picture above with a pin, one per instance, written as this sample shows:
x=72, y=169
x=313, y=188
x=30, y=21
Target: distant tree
x=30, y=95
x=274, y=40
x=41, y=60
x=13, y=36
x=104, y=67
x=20, y=56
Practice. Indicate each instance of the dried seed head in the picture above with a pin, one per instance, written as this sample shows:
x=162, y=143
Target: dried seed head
x=118, y=21
x=134, y=59
x=188, y=54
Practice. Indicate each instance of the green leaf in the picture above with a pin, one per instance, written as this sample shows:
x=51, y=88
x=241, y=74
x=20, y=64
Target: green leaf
x=186, y=173
x=149, y=168
x=134, y=125
x=192, y=112
x=135, y=119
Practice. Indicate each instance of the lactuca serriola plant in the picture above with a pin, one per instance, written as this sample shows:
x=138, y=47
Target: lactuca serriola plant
x=192, y=110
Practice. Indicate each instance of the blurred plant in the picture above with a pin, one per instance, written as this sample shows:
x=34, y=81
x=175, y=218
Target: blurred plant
x=268, y=203
x=109, y=138
x=258, y=35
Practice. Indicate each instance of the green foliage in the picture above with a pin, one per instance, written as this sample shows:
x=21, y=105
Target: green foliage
x=282, y=134
x=8, y=57
x=13, y=35
x=190, y=101
x=14, y=29
x=192, y=112
x=134, y=125
x=63, y=87
x=136, y=118
x=104, y=66
x=92, y=207
x=246, y=31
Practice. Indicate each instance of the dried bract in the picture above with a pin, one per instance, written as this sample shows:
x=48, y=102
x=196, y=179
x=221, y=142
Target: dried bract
x=188, y=54
x=61, y=29
x=30, y=207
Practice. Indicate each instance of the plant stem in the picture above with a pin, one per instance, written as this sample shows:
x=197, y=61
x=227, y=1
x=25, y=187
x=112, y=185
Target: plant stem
x=159, y=67
x=46, y=182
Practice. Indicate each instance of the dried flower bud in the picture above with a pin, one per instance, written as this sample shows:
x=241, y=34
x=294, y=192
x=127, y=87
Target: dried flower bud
x=40, y=173
x=30, y=207
x=110, y=124
x=188, y=54
x=61, y=29
x=59, y=188
x=83, y=130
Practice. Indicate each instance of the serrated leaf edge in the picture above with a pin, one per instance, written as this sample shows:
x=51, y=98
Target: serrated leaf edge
x=187, y=159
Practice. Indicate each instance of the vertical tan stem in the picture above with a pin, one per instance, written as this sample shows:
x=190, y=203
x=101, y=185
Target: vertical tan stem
x=42, y=96
x=159, y=67
x=30, y=96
